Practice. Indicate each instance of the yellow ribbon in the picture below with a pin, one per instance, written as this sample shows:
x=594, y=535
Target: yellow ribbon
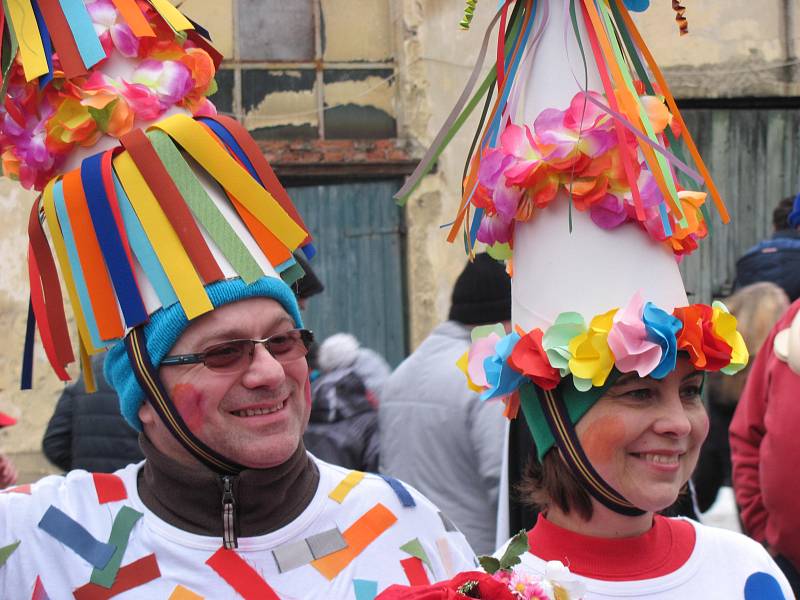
x=166, y=244
x=211, y=155
x=31, y=50
x=172, y=15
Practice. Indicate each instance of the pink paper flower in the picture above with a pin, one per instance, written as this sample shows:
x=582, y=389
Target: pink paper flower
x=112, y=30
x=480, y=350
x=170, y=80
x=629, y=342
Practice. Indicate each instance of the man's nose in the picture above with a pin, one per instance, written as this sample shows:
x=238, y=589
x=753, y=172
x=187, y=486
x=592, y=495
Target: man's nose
x=264, y=369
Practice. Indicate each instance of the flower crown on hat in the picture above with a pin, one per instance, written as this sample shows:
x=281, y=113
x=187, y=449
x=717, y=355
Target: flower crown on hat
x=135, y=213
x=56, y=98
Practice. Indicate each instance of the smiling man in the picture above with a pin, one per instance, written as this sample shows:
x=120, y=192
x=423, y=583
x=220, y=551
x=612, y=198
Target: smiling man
x=175, y=242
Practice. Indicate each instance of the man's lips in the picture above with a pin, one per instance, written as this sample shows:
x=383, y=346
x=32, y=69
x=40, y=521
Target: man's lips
x=255, y=410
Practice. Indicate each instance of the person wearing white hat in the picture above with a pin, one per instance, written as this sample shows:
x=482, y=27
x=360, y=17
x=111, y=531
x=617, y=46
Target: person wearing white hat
x=574, y=179
x=173, y=239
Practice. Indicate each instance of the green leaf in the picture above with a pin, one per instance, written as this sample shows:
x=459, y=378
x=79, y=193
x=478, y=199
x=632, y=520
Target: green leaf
x=213, y=87
x=102, y=116
x=489, y=564
x=516, y=547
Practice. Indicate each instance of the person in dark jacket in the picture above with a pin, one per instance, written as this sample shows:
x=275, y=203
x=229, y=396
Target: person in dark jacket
x=343, y=427
x=87, y=431
x=778, y=258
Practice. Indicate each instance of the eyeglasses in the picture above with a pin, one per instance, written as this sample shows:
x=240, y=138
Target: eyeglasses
x=237, y=355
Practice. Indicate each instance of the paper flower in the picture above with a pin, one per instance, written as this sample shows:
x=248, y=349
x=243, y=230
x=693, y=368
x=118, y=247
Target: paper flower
x=707, y=351
x=592, y=360
x=112, y=30
x=500, y=377
x=724, y=325
x=629, y=342
x=661, y=329
x=530, y=359
x=555, y=341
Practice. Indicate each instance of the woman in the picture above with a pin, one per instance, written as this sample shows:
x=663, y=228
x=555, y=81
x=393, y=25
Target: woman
x=643, y=437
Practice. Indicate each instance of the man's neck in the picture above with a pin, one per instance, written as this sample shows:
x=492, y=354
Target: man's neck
x=190, y=497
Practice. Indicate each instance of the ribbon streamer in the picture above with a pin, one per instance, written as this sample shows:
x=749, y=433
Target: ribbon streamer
x=129, y=577
x=243, y=578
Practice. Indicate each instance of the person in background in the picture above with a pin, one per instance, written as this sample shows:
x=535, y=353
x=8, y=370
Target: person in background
x=343, y=428
x=435, y=433
x=757, y=308
x=87, y=431
x=8, y=472
x=765, y=449
x=778, y=258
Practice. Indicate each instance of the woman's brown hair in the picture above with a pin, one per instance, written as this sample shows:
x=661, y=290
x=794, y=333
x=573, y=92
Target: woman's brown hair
x=551, y=483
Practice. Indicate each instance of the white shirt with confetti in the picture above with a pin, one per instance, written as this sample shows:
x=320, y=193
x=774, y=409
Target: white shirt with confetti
x=89, y=536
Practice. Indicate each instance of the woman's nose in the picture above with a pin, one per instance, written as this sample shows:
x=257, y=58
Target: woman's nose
x=673, y=419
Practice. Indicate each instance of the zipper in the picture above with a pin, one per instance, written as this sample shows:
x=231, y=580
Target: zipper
x=229, y=540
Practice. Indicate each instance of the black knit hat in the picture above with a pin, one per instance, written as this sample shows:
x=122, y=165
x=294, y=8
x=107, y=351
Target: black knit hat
x=482, y=293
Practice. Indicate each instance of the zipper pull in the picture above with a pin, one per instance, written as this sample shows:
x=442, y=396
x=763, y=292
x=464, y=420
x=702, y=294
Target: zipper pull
x=229, y=540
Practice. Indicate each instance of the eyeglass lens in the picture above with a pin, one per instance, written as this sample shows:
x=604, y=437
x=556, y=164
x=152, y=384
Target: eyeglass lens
x=232, y=355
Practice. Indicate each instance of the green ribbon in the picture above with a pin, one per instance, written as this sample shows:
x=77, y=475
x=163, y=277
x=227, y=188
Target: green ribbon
x=120, y=532
x=204, y=209
x=7, y=551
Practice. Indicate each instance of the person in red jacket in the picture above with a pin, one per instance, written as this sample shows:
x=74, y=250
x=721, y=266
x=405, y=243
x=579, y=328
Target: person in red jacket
x=765, y=450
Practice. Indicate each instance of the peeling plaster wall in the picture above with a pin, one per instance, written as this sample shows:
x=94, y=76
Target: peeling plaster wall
x=32, y=408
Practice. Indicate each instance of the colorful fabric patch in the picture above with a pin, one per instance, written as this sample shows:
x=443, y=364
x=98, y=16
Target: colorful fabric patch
x=20, y=489
x=415, y=572
x=131, y=576
x=448, y=524
x=39, y=593
x=73, y=535
x=7, y=551
x=346, y=485
x=120, y=532
x=762, y=586
x=109, y=487
x=365, y=589
x=400, y=490
x=240, y=575
x=184, y=593
x=414, y=548
x=443, y=546
x=358, y=536
x=300, y=553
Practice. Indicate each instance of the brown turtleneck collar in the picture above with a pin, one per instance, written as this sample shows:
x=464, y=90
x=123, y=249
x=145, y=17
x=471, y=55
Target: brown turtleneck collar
x=190, y=498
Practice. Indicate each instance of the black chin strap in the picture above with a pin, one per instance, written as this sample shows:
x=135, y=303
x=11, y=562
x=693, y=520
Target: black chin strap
x=148, y=379
x=567, y=441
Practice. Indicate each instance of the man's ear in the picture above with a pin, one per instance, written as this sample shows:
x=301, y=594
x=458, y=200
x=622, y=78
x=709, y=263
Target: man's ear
x=147, y=415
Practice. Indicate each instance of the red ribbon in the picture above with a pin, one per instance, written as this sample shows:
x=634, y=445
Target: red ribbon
x=67, y=49
x=109, y=487
x=415, y=571
x=240, y=575
x=129, y=577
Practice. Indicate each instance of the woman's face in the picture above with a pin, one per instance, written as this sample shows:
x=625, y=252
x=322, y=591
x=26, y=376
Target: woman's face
x=644, y=435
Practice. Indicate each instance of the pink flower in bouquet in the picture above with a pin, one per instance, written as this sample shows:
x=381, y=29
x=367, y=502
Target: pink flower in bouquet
x=112, y=30
x=170, y=80
x=495, y=229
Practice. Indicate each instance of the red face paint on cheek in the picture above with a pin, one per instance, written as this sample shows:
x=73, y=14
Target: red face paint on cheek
x=603, y=438
x=190, y=404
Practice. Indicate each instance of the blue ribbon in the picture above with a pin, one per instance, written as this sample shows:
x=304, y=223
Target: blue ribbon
x=400, y=491
x=73, y=535
x=143, y=250
x=26, y=377
x=75, y=265
x=80, y=23
x=110, y=241
x=48, y=48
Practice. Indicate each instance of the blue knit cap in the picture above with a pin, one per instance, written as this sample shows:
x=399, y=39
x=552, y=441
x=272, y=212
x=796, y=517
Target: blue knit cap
x=167, y=324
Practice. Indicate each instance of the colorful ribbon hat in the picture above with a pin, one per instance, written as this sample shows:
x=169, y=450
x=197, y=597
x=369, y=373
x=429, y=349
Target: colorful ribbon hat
x=153, y=209
x=573, y=178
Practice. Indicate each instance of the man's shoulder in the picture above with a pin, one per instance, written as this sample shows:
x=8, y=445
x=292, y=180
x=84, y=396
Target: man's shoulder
x=358, y=490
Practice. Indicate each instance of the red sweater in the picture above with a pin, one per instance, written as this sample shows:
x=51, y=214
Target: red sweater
x=765, y=449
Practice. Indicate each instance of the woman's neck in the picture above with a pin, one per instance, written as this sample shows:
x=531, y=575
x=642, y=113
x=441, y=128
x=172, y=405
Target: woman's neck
x=605, y=523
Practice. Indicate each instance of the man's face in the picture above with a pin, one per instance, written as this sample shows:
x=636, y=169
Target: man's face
x=254, y=416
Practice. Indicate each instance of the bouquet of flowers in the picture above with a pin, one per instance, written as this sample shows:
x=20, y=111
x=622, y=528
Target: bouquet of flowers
x=498, y=581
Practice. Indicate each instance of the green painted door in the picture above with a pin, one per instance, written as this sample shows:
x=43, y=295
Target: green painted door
x=358, y=232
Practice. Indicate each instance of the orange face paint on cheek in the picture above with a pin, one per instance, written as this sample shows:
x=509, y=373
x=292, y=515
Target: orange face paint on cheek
x=603, y=438
x=190, y=404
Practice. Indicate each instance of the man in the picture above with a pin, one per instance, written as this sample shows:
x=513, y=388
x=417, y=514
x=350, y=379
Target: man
x=435, y=433
x=778, y=258
x=175, y=244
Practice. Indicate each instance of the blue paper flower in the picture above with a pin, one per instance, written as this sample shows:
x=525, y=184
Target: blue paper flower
x=637, y=5
x=662, y=328
x=502, y=379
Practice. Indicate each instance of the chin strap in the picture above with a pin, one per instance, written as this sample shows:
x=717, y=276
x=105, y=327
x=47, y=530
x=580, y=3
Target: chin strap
x=156, y=395
x=568, y=443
